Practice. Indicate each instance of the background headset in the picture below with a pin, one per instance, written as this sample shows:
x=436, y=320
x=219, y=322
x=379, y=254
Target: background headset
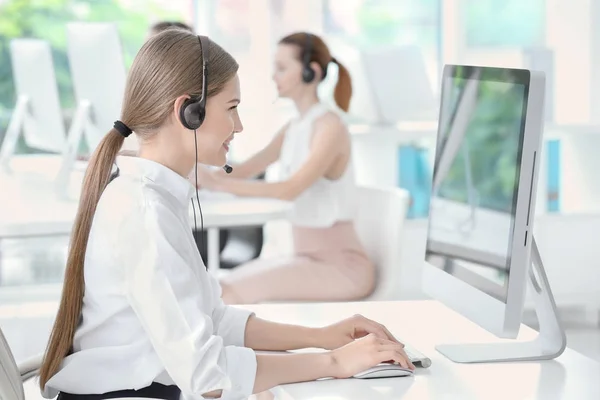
x=308, y=73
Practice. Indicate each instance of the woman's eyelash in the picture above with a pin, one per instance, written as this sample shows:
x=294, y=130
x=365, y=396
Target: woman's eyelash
x=232, y=107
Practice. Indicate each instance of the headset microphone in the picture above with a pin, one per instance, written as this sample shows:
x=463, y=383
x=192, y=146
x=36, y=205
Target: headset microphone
x=228, y=168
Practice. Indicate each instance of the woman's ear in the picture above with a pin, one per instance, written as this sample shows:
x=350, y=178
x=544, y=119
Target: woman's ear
x=177, y=107
x=318, y=71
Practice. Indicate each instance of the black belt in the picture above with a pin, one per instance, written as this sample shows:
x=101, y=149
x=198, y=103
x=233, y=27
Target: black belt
x=154, y=391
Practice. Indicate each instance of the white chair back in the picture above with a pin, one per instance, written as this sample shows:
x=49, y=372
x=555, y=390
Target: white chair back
x=379, y=224
x=11, y=386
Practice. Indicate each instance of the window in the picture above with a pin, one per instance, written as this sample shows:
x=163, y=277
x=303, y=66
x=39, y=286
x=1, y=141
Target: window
x=371, y=23
x=46, y=19
x=504, y=23
x=230, y=27
x=382, y=22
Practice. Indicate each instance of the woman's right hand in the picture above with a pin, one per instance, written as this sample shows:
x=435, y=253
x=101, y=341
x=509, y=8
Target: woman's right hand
x=367, y=352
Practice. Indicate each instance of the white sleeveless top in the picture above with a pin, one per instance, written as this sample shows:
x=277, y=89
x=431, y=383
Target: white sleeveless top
x=326, y=201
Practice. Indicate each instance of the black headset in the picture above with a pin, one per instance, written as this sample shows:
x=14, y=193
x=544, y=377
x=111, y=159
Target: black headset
x=193, y=110
x=308, y=73
x=192, y=114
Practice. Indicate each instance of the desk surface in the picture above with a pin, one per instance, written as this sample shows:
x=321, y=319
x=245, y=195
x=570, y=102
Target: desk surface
x=221, y=210
x=424, y=324
x=30, y=206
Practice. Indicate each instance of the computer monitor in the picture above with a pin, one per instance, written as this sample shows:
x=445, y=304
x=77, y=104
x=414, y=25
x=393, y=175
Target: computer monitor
x=480, y=236
x=37, y=114
x=98, y=72
x=401, y=89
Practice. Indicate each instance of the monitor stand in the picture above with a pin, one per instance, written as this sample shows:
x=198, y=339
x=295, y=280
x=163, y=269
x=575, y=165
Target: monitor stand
x=14, y=130
x=549, y=344
x=75, y=135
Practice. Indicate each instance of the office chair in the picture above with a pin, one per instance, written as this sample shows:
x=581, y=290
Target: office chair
x=381, y=235
x=12, y=376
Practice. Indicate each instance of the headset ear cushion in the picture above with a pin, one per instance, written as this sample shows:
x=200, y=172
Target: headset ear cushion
x=192, y=113
x=308, y=74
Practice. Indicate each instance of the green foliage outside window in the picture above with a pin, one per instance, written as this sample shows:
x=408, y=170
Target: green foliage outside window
x=392, y=22
x=504, y=23
x=47, y=19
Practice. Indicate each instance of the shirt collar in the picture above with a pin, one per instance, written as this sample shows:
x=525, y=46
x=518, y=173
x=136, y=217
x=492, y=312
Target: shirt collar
x=180, y=187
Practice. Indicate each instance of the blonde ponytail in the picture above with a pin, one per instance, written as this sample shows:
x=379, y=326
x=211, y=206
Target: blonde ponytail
x=96, y=178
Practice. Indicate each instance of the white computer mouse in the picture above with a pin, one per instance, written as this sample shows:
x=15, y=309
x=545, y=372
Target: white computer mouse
x=384, y=371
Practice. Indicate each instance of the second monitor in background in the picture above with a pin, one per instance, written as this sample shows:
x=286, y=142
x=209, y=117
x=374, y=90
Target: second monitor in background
x=98, y=73
x=480, y=245
x=37, y=114
x=401, y=89
x=390, y=84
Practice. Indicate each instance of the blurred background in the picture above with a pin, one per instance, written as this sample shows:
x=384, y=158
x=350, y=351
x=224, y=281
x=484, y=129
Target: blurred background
x=395, y=51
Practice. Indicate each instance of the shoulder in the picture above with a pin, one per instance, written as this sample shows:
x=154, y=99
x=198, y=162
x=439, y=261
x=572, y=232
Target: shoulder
x=332, y=123
x=127, y=202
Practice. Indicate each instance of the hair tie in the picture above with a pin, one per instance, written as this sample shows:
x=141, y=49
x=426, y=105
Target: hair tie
x=334, y=60
x=122, y=128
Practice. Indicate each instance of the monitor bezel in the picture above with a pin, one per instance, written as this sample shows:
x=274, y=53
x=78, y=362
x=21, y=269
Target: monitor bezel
x=501, y=318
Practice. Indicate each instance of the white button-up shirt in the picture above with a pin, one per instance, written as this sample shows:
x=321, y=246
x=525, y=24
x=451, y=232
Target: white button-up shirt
x=151, y=312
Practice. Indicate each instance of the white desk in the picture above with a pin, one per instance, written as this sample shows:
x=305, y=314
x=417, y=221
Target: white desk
x=221, y=210
x=29, y=205
x=424, y=324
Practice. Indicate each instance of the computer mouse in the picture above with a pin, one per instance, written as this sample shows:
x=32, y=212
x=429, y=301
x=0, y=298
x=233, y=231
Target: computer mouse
x=384, y=371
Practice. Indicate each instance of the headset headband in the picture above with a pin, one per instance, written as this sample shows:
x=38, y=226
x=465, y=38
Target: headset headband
x=308, y=49
x=203, y=40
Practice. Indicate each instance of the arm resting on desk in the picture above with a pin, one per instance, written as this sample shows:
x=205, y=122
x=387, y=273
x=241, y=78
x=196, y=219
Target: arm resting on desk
x=279, y=369
x=272, y=336
x=240, y=327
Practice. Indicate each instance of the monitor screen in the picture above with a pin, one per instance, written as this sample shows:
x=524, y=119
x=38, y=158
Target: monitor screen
x=476, y=175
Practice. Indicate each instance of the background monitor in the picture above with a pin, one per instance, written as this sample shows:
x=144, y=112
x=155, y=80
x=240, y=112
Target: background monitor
x=389, y=84
x=484, y=180
x=401, y=89
x=98, y=73
x=35, y=80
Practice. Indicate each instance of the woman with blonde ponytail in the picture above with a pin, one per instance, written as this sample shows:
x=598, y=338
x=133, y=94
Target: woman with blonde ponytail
x=139, y=314
x=314, y=151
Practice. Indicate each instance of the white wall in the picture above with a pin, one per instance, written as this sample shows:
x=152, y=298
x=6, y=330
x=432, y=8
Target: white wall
x=569, y=35
x=572, y=33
